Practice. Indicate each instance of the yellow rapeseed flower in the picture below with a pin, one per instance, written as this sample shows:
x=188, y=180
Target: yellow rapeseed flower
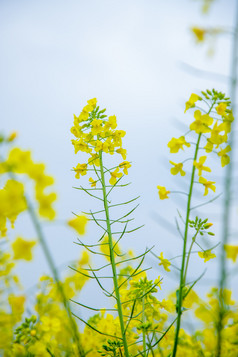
x=176, y=144
x=114, y=176
x=125, y=165
x=178, y=168
x=207, y=184
x=206, y=255
x=201, y=123
x=199, y=165
x=191, y=102
x=80, y=169
x=163, y=193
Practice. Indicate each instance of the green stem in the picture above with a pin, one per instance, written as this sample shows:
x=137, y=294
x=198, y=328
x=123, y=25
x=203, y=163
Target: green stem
x=54, y=271
x=112, y=257
x=188, y=256
x=182, y=282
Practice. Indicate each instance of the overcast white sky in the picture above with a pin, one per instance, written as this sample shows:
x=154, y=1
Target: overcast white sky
x=55, y=55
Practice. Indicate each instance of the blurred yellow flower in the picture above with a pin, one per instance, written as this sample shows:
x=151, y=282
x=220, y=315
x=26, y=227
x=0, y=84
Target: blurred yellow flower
x=22, y=249
x=79, y=224
x=231, y=252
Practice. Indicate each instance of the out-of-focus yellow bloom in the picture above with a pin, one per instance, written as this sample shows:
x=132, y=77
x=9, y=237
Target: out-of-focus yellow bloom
x=105, y=249
x=50, y=324
x=191, y=102
x=79, y=224
x=39, y=349
x=163, y=193
x=45, y=204
x=114, y=176
x=199, y=165
x=12, y=136
x=17, y=305
x=199, y=33
x=231, y=252
x=206, y=255
x=84, y=259
x=178, y=168
x=207, y=184
x=164, y=262
x=13, y=202
x=22, y=249
x=176, y=144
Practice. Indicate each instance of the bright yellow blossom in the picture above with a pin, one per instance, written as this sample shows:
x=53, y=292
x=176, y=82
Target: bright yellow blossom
x=80, y=169
x=79, y=224
x=92, y=102
x=111, y=123
x=114, y=176
x=206, y=255
x=22, y=249
x=191, y=102
x=207, y=185
x=178, y=168
x=176, y=144
x=93, y=182
x=122, y=152
x=125, y=165
x=96, y=126
x=94, y=160
x=201, y=123
x=199, y=165
x=163, y=193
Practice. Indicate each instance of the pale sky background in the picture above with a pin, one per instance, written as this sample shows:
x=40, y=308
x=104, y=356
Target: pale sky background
x=55, y=55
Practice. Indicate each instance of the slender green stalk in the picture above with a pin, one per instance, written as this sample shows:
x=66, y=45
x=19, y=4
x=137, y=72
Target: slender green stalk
x=54, y=271
x=227, y=193
x=189, y=254
x=112, y=257
x=182, y=281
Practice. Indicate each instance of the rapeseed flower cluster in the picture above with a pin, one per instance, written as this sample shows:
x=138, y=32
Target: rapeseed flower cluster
x=95, y=132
